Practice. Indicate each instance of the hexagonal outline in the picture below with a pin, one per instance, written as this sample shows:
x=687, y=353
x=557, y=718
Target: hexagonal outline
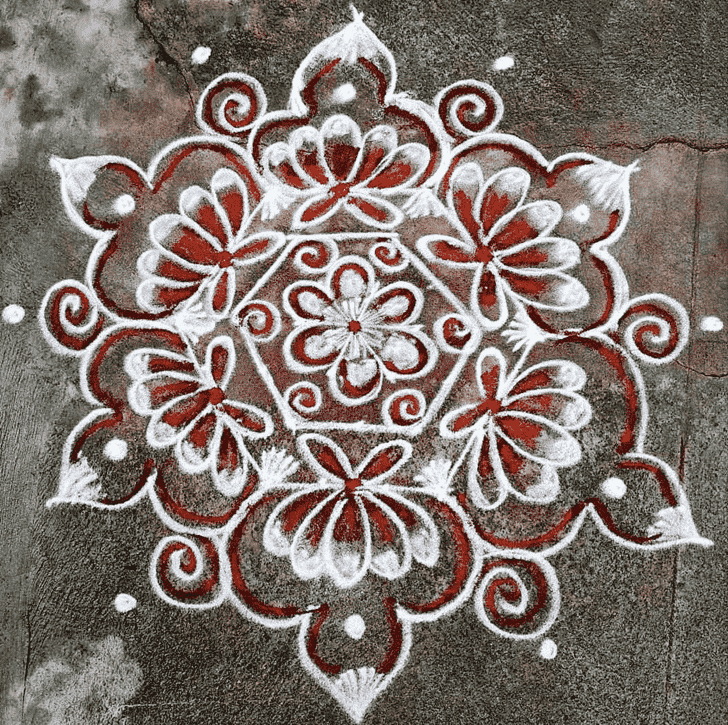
x=292, y=420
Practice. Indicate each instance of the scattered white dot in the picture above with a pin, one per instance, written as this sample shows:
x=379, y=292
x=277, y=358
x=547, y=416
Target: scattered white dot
x=124, y=205
x=549, y=648
x=124, y=603
x=707, y=324
x=581, y=213
x=13, y=314
x=354, y=626
x=344, y=93
x=200, y=55
x=116, y=449
x=503, y=63
x=614, y=488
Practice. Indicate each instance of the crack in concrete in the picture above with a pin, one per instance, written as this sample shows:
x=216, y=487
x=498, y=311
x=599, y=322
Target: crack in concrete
x=27, y=665
x=684, y=442
x=164, y=54
x=702, y=375
x=665, y=141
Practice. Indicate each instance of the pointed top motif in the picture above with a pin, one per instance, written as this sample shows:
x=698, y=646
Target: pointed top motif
x=351, y=56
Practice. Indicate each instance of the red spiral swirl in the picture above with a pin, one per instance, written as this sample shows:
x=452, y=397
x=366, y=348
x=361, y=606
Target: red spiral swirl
x=518, y=597
x=456, y=333
x=406, y=408
x=388, y=254
x=654, y=327
x=468, y=108
x=259, y=319
x=220, y=104
x=506, y=588
x=304, y=398
x=195, y=578
x=70, y=317
x=313, y=254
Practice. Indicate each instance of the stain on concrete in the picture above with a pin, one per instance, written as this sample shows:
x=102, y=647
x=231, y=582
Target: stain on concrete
x=89, y=684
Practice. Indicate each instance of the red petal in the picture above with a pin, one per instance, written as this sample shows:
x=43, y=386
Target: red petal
x=450, y=253
x=326, y=458
x=349, y=526
x=383, y=461
x=294, y=514
x=318, y=208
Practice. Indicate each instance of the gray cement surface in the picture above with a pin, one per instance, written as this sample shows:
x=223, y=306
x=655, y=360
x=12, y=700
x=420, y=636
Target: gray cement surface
x=642, y=636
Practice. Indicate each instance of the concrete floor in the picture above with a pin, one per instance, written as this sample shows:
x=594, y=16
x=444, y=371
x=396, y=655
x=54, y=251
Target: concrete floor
x=641, y=635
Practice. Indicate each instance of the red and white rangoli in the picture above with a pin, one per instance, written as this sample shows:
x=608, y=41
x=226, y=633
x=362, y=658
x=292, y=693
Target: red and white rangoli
x=369, y=359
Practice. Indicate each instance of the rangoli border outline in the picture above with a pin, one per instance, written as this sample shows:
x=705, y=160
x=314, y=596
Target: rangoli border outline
x=390, y=248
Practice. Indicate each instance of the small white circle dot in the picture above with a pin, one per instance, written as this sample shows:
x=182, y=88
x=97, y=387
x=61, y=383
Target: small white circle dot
x=200, y=55
x=116, y=449
x=354, y=626
x=124, y=603
x=124, y=204
x=13, y=314
x=344, y=93
x=548, y=650
x=504, y=62
x=581, y=213
x=614, y=488
x=711, y=324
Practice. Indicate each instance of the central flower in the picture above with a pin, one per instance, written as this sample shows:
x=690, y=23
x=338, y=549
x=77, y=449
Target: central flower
x=356, y=330
x=351, y=521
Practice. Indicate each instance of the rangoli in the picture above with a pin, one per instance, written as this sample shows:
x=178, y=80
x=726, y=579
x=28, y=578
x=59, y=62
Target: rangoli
x=369, y=359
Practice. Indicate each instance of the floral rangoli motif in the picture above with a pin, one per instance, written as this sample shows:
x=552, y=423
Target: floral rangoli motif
x=368, y=358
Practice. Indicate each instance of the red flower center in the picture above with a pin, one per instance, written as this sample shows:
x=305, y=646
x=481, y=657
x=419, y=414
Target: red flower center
x=354, y=326
x=224, y=259
x=489, y=406
x=484, y=254
x=216, y=396
x=352, y=484
x=340, y=190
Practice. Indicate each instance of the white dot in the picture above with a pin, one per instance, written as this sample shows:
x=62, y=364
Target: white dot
x=354, y=626
x=503, y=63
x=711, y=324
x=344, y=93
x=116, y=449
x=13, y=314
x=581, y=213
x=200, y=55
x=125, y=204
x=614, y=488
x=548, y=650
x=124, y=602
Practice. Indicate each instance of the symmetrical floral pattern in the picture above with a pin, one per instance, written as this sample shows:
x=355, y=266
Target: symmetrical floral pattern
x=353, y=522
x=358, y=331
x=520, y=428
x=508, y=244
x=368, y=358
x=336, y=168
x=189, y=409
x=198, y=251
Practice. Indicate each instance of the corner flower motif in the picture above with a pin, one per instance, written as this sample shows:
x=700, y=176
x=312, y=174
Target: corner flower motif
x=359, y=332
x=337, y=168
x=351, y=521
x=197, y=252
x=507, y=243
x=190, y=410
x=519, y=429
